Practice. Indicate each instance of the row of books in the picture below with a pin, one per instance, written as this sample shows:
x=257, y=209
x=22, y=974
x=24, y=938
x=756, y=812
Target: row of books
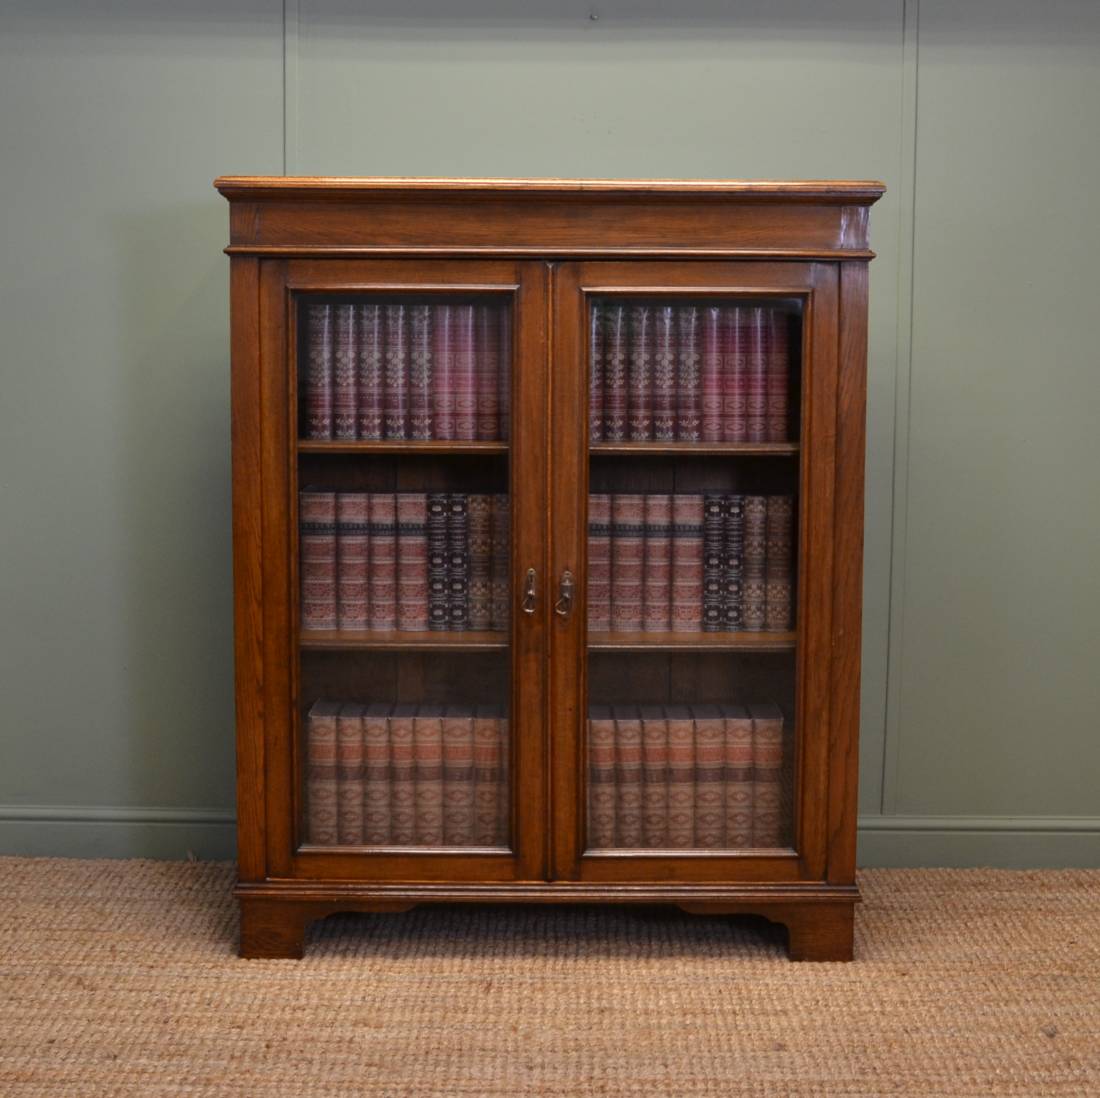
x=688, y=373
x=407, y=775
x=686, y=777
x=407, y=371
x=690, y=562
x=409, y=561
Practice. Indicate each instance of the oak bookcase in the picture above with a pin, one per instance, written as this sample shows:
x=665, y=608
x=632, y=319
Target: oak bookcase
x=575, y=286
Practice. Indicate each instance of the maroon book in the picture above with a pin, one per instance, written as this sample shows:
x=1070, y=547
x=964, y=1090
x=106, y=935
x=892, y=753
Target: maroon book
x=458, y=776
x=639, y=383
x=614, y=372
x=654, y=777
x=479, y=508
x=689, y=391
x=370, y=354
x=376, y=778
x=753, y=564
x=595, y=373
x=443, y=390
x=599, y=562
x=628, y=774
x=778, y=563
x=344, y=381
x=420, y=372
x=627, y=561
x=464, y=374
x=402, y=776
x=487, y=371
x=756, y=374
x=767, y=767
x=322, y=784
x=352, y=561
x=778, y=377
x=657, y=582
x=428, y=774
x=350, y=774
x=412, y=561
x=317, y=559
x=687, y=563
x=602, y=792
x=396, y=397
x=488, y=778
x=711, y=374
x=505, y=374
x=383, y=562
x=735, y=345
x=664, y=373
x=317, y=391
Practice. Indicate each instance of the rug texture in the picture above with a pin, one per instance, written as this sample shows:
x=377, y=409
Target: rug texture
x=120, y=978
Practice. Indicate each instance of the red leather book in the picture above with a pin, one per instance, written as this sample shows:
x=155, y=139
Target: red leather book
x=488, y=777
x=317, y=559
x=443, y=386
x=465, y=372
x=681, y=777
x=756, y=374
x=344, y=380
x=412, y=561
x=735, y=347
x=657, y=574
x=370, y=356
x=487, y=323
x=479, y=516
x=664, y=373
x=383, y=561
x=615, y=344
x=689, y=374
x=595, y=373
x=500, y=564
x=767, y=766
x=428, y=773
x=402, y=776
x=352, y=561
x=628, y=774
x=317, y=383
x=505, y=374
x=712, y=374
x=602, y=793
x=778, y=378
x=753, y=614
x=458, y=776
x=738, y=774
x=627, y=561
x=349, y=774
x=654, y=777
x=322, y=785
x=710, y=761
x=599, y=562
x=420, y=372
x=778, y=565
x=639, y=381
x=396, y=394
x=376, y=777
x=687, y=563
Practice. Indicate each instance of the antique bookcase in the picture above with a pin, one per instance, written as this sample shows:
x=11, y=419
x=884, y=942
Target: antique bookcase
x=547, y=522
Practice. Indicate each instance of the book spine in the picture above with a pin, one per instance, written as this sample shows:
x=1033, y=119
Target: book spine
x=710, y=751
x=599, y=562
x=383, y=562
x=689, y=390
x=639, y=382
x=500, y=564
x=627, y=561
x=753, y=615
x=412, y=561
x=317, y=533
x=681, y=777
x=735, y=347
x=615, y=340
x=350, y=775
x=322, y=784
x=628, y=774
x=504, y=804
x=602, y=793
x=687, y=563
x=712, y=395
x=756, y=374
x=438, y=570
x=443, y=387
x=376, y=777
x=505, y=374
x=465, y=373
x=480, y=517
x=396, y=407
x=420, y=372
x=487, y=777
x=428, y=753
x=458, y=777
x=778, y=377
x=370, y=356
x=352, y=561
x=402, y=776
x=344, y=383
x=767, y=766
x=318, y=394
x=713, y=558
x=458, y=563
x=657, y=569
x=595, y=373
x=487, y=350
x=738, y=775
x=733, y=549
x=778, y=554
x=664, y=373
x=654, y=778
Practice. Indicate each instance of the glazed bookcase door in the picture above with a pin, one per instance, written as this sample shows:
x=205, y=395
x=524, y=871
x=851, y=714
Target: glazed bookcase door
x=403, y=458
x=694, y=410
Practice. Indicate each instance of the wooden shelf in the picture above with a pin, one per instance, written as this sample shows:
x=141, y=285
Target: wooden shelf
x=335, y=639
x=638, y=449
x=399, y=446
x=693, y=642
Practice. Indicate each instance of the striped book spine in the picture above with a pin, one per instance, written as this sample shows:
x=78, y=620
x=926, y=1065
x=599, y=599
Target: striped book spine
x=480, y=518
x=687, y=563
x=711, y=374
x=657, y=572
x=350, y=774
x=317, y=559
x=710, y=761
x=395, y=411
x=778, y=377
x=627, y=561
x=500, y=564
x=689, y=391
x=778, y=554
x=753, y=615
x=735, y=347
x=458, y=776
x=344, y=381
x=756, y=374
x=733, y=549
x=664, y=373
x=420, y=372
x=767, y=766
x=465, y=373
x=628, y=774
x=412, y=561
x=505, y=374
x=487, y=777
x=402, y=776
x=443, y=386
x=383, y=562
x=458, y=563
x=639, y=379
x=615, y=349
x=654, y=777
x=319, y=381
x=595, y=373
x=487, y=348
x=738, y=775
x=370, y=356
x=322, y=783
x=438, y=571
x=504, y=804
x=376, y=776
x=602, y=793
x=713, y=559
x=428, y=772
x=599, y=562
x=352, y=561
x=681, y=777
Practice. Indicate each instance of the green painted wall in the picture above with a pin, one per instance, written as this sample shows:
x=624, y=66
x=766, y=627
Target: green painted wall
x=979, y=710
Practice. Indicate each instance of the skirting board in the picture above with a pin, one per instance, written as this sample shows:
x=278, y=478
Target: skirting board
x=1011, y=842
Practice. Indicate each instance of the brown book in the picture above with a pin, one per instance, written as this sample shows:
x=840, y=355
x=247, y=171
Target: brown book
x=687, y=563
x=487, y=352
x=317, y=558
x=599, y=562
x=767, y=768
x=504, y=805
x=639, y=382
x=383, y=561
x=395, y=409
x=488, y=777
x=465, y=372
x=344, y=380
x=500, y=563
x=322, y=782
x=479, y=508
x=710, y=750
x=350, y=774
x=370, y=354
x=689, y=379
x=681, y=777
x=317, y=390
x=778, y=563
x=428, y=770
x=654, y=777
x=458, y=776
x=778, y=377
x=352, y=561
x=627, y=561
x=753, y=607
x=738, y=774
x=420, y=372
x=376, y=777
x=657, y=574
x=615, y=350
x=628, y=774
x=602, y=794
x=664, y=373
x=412, y=561
x=756, y=375
x=402, y=776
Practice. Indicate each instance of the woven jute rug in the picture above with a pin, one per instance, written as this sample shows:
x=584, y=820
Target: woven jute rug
x=120, y=978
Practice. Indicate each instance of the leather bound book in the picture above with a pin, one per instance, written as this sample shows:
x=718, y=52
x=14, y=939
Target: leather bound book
x=488, y=776
x=458, y=776
x=458, y=563
x=778, y=566
x=627, y=561
x=420, y=372
x=383, y=562
x=599, y=562
x=317, y=392
x=317, y=559
x=689, y=375
x=654, y=777
x=687, y=563
x=352, y=561
x=712, y=380
x=733, y=551
x=349, y=774
x=738, y=773
x=412, y=561
x=657, y=574
x=505, y=374
x=628, y=773
x=428, y=773
x=500, y=584
x=639, y=381
x=479, y=517
x=681, y=777
x=595, y=373
x=402, y=776
x=753, y=564
x=439, y=583
x=376, y=777
x=443, y=385
x=344, y=381
x=487, y=354
x=370, y=363
x=767, y=767
x=713, y=561
x=321, y=781
x=664, y=373
x=396, y=389
x=464, y=374
x=735, y=348
x=756, y=374
x=778, y=380
x=602, y=793
x=615, y=344
x=710, y=761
